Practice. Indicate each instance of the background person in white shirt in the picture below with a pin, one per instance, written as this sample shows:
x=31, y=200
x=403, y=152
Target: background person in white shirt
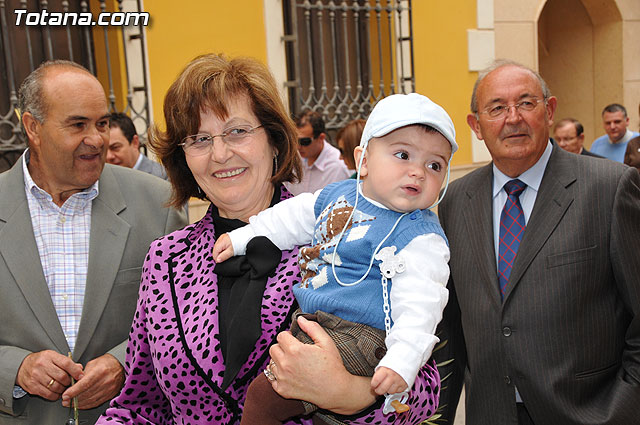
x=321, y=163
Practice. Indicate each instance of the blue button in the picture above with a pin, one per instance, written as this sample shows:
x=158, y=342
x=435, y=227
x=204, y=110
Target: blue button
x=413, y=216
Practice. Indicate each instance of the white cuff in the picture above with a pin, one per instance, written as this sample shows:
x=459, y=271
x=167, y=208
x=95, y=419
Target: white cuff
x=404, y=360
x=240, y=238
x=18, y=392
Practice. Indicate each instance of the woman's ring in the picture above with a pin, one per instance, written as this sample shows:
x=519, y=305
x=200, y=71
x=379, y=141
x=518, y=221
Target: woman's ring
x=268, y=373
x=50, y=383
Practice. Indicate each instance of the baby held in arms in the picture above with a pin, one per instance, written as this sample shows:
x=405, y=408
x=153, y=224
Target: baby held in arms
x=374, y=261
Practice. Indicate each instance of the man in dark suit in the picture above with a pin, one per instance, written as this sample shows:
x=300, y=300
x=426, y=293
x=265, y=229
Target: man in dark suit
x=543, y=317
x=73, y=237
x=569, y=134
x=124, y=147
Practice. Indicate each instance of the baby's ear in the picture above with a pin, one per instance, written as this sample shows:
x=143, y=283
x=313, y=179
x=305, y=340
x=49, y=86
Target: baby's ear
x=359, y=153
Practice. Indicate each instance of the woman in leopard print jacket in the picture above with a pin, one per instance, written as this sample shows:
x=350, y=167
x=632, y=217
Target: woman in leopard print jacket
x=202, y=332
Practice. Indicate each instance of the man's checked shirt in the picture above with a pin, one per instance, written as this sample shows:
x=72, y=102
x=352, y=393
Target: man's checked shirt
x=62, y=236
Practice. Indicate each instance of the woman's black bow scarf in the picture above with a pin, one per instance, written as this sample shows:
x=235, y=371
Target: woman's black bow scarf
x=241, y=284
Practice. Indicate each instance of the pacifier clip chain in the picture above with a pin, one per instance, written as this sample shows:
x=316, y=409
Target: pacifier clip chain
x=390, y=264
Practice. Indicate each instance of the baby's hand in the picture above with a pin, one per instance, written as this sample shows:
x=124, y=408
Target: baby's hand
x=386, y=380
x=222, y=249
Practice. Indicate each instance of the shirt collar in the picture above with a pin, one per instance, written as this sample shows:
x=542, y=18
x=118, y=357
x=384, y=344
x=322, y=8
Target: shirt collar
x=532, y=177
x=324, y=158
x=30, y=186
x=628, y=135
x=138, y=162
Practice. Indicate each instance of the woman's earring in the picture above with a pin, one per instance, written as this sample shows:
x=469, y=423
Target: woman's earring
x=275, y=164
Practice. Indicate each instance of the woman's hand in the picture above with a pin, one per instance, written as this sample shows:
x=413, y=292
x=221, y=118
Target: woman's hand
x=315, y=373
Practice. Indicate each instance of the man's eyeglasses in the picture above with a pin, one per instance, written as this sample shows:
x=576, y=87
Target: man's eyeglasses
x=305, y=141
x=234, y=137
x=500, y=111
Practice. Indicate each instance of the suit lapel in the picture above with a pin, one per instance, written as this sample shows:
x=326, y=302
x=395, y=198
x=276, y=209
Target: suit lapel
x=107, y=242
x=479, y=222
x=19, y=250
x=551, y=204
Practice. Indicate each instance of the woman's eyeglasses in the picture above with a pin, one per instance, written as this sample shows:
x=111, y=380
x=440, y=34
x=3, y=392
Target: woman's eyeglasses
x=200, y=144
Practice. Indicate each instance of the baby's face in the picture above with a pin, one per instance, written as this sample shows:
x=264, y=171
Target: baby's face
x=405, y=169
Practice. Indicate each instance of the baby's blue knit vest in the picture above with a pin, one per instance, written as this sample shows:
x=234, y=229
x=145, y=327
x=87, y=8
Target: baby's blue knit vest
x=361, y=303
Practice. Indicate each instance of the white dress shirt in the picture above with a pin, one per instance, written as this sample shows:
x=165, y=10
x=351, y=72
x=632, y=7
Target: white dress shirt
x=327, y=168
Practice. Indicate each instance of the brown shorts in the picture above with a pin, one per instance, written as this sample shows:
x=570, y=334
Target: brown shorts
x=361, y=346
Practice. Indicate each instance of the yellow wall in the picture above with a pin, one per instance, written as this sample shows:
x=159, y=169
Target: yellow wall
x=441, y=61
x=179, y=32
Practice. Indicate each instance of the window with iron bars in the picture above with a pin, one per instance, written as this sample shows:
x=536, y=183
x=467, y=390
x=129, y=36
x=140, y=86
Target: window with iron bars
x=344, y=56
x=99, y=48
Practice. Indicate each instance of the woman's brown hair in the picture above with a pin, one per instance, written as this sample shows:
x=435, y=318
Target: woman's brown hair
x=350, y=135
x=208, y=82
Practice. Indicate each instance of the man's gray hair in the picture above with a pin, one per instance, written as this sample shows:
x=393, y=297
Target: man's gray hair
x=499, y=63
x=31, y=96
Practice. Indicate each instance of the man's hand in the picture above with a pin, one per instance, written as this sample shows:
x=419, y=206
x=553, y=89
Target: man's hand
x=386, y=380
x=222, y=249
x=47, y=374
x=103, y=378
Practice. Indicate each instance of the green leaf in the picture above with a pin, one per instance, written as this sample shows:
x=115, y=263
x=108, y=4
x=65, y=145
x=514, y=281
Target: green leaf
x=444, y=363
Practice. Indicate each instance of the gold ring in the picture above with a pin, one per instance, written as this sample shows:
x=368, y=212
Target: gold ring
x=50, y=383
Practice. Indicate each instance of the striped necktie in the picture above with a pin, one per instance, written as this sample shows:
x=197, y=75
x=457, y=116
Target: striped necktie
x=511, y=231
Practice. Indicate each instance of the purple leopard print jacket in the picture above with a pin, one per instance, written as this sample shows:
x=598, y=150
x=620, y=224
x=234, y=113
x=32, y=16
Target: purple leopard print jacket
x=174, y=368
